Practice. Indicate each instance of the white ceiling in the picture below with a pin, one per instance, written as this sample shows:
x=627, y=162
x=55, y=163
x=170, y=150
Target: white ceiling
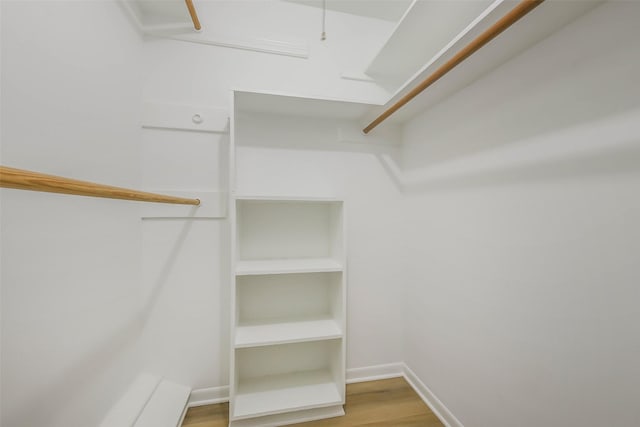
x=389, y=10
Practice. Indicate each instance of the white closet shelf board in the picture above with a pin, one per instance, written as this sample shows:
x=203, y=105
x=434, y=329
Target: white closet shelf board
x=288, y=418
x=284, y=266
x=154, y=15
x=283, y=393
x=299, y=106
x=162, y=115
x=287, y=332
x=347, y=115
x=543, y=21
x=286, y=198
x=424, y=28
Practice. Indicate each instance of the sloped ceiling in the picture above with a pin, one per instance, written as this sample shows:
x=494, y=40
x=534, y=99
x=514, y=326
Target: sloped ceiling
x=389, y=10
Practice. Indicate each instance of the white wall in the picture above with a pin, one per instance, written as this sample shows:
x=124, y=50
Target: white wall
x=71, y=91
x=185, y=263
x=523, y=305
x=185, y=333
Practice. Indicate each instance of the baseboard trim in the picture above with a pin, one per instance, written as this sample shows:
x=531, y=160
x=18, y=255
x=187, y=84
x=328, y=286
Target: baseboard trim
x=208, y=396
x=373, y=373
x=432, y=401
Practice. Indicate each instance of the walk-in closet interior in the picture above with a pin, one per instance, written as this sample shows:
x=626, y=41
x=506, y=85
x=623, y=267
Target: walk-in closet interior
x=257, y=204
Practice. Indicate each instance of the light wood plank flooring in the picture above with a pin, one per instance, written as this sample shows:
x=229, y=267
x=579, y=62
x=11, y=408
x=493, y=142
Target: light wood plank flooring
x=391, y=403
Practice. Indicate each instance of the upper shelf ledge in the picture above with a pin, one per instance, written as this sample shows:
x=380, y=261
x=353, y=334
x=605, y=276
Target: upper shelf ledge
x=423, y=30
x=163, y=15
x=539, y=24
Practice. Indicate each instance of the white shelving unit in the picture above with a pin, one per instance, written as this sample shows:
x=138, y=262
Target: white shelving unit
x=288, y=304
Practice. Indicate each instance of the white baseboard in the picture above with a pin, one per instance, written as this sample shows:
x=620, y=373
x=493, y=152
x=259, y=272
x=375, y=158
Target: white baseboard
x=208, y=396
x=377, y=372
x=213, y=395
x=438, y=408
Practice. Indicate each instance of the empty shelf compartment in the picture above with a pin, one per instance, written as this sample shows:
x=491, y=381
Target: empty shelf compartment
x=286, y=229
x=287, y=392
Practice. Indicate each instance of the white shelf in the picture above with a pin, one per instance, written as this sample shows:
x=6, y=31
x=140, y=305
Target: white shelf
x=284, y=266
x=423, y=30
x=260, y=198
x=537, y=25
x=288, y=301
x=160, y=15
x=283, y=393
x=286, y=332
x=288, y=418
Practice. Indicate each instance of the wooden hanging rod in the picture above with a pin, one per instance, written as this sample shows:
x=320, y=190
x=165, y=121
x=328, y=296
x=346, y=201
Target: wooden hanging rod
x=34, y=181
x=489, y=34
x=194, y=14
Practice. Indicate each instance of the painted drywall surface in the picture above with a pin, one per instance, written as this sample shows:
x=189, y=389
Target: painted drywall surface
x=522, y=308
x=183, y=263
x=186, y=261
x=71, y=90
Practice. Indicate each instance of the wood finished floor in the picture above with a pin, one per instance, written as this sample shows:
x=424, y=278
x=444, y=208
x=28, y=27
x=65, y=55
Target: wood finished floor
x=391, y=403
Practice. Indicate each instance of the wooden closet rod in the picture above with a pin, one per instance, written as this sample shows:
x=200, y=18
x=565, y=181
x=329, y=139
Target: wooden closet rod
x=34, y=181
x=194, y=14
x=505, y=22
